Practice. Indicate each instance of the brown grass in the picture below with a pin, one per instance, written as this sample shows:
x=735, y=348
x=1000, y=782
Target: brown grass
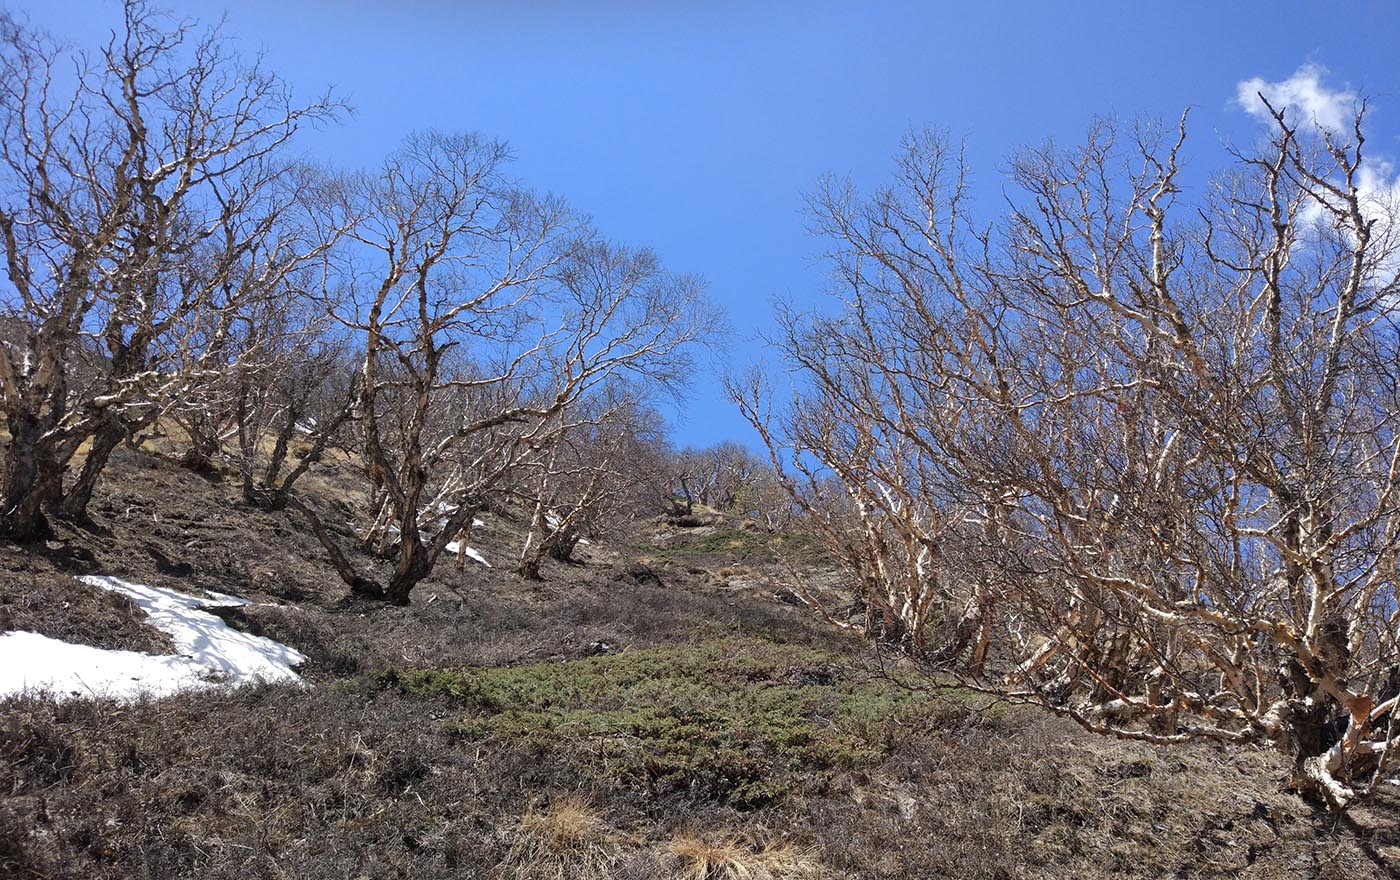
x=730, y=856
x=565, y=840
x=569, y=823
x=37, y=595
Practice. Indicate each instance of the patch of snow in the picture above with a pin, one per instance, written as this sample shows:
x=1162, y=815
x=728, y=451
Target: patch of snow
x=30, y=663
x=208, y=652
x=456, y=547
x=436, y=526
x=553, y=520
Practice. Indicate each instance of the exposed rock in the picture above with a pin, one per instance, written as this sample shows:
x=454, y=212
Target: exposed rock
x=640, y=575
x=788, y=597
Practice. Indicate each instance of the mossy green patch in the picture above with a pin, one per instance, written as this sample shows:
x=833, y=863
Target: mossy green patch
x=723, y=718
x=733, y=542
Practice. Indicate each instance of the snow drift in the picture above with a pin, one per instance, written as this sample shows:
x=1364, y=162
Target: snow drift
x=208, y=653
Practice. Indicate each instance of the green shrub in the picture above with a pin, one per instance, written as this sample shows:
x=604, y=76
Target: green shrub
x=723, y=718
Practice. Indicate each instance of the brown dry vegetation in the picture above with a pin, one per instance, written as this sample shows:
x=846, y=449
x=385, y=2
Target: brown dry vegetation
x=484, y=732
x=37, y=595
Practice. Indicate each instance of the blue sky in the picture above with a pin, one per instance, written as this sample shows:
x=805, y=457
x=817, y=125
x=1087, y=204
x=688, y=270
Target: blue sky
x=696, y=128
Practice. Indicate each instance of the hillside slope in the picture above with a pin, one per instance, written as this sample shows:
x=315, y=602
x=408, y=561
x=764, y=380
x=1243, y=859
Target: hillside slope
x=652, y=712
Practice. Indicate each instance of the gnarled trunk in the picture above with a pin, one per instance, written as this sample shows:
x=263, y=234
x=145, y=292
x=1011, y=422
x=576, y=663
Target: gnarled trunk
x=359, y=585
x=412, y=567
x=563, y=547
x=75, y=502
x=33, y=481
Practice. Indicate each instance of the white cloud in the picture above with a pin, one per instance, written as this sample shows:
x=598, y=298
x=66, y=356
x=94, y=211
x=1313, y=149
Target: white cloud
x=1303, y=97
x=1309, y=103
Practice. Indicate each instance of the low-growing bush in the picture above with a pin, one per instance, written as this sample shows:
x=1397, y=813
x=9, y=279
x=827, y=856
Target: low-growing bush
x=722, y=718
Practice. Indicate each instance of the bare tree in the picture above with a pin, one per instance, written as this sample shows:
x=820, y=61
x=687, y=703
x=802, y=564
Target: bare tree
x=297, y=396
x=1147, y=448
x=141, y=196
x=763, y=499
x=583, y=483
x=651, y=461
x=880, y=508
x=484, y=312
x=712, y=476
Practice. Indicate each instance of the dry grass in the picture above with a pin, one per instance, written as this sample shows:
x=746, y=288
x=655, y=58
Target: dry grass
x=569, y=823
x=695, y=856
x=37, y=595
x=568, y=839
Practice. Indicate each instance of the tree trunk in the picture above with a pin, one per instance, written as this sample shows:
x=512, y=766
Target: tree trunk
x=1313, y=733
x=199, y=457
x=464, y=537
x=75, y=503
x=412, y=568
x=535, y=544
x=1308, y=744
x=563, y=548
x=977, y=665
x=32, y=479
x=359, y=586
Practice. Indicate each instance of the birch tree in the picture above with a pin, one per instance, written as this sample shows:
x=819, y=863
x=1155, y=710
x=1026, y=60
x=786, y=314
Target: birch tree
x=583, y=483
x=139, y=210
x=1149, y=442
x=483, y=312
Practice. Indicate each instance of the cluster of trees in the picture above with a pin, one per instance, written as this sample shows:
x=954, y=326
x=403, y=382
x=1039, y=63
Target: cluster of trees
x=1129, y=456
x=728, y=478
x=466, y=342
